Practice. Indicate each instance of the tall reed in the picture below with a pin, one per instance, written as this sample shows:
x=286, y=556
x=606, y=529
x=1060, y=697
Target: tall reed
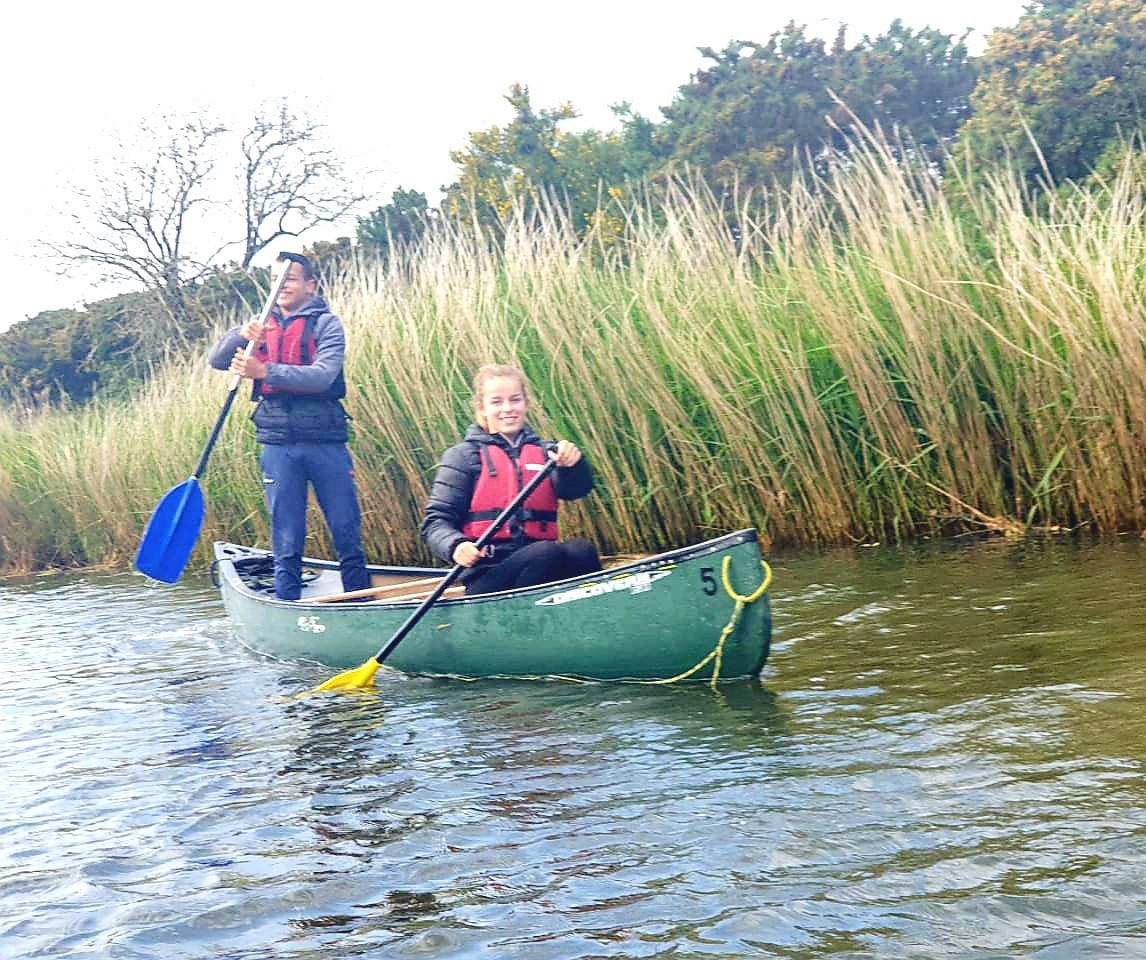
x=835, y=361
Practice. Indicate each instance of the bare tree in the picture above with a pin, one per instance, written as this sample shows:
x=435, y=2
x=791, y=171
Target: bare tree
x=292, y=182
x=135, y=223
x=169, y=219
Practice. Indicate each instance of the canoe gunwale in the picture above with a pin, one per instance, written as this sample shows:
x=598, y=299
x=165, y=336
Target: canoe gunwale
x=226, y=551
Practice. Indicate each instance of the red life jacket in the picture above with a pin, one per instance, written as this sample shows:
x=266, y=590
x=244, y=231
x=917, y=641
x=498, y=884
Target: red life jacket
x=499, y=481
x=293, y=343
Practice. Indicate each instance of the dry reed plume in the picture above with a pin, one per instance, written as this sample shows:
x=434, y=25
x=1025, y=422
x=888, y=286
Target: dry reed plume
x=831, y=362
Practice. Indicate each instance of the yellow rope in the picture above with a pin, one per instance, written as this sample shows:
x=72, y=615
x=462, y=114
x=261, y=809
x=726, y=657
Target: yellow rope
x=752, y=597
x=741, y=602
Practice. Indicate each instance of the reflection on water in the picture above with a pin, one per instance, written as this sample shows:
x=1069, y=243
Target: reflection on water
x=943, y=759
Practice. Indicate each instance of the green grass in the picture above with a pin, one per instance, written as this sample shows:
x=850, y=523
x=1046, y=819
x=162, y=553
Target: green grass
x=870, y=360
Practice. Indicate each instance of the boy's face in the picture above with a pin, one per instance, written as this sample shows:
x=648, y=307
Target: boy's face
x=295, y=290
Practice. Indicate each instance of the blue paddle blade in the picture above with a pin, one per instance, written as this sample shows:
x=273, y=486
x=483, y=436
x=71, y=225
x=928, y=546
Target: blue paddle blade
x=171, y=533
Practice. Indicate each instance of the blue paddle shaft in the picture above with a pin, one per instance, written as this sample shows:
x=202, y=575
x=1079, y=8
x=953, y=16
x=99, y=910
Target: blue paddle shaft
x=174, y=527
x=268, y=306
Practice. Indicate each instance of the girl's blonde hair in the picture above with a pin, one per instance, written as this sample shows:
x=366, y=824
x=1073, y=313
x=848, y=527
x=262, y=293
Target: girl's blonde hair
x=491, y=371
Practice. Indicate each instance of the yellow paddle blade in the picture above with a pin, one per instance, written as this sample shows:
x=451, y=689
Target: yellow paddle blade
x=360, y=678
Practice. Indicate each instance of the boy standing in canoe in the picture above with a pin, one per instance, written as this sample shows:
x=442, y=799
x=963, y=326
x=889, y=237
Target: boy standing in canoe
x=299, y=419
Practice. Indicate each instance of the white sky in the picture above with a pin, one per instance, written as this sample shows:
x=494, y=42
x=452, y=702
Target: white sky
x=397, y=85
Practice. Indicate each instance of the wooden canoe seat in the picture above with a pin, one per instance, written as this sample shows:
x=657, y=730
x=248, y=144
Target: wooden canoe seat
x=448, y=594
x=384, y=592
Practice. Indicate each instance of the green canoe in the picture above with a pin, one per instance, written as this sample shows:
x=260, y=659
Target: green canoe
x=654, y=618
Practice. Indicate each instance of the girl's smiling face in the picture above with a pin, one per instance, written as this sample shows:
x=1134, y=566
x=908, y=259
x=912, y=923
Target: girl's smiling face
x=502, y=405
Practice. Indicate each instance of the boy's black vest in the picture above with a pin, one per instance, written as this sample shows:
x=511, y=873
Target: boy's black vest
x=282, y=416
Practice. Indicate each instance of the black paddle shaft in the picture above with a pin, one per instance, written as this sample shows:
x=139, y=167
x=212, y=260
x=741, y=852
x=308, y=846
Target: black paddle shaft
x=456, y=572
x=202, y=464
x=268, y=306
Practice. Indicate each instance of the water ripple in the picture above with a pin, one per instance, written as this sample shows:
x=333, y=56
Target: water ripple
x=944, y=760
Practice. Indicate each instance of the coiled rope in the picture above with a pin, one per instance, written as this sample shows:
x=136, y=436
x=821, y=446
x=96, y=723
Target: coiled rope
x=742, y=601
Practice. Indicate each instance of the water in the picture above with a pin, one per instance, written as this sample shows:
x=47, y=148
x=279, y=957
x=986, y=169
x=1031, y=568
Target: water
x=943, y=759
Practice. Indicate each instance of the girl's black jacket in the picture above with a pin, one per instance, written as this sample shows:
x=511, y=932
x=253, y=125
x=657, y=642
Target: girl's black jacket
x=453, y=488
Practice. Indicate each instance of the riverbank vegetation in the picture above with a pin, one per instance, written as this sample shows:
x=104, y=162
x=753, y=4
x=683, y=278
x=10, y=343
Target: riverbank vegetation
x=869, y=356
x=1055, y=97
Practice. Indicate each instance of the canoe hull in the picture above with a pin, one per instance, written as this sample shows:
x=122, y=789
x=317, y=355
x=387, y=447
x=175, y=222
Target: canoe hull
x=649, y=620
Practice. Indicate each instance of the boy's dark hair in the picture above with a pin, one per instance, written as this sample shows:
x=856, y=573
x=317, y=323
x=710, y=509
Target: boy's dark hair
x=304, y=262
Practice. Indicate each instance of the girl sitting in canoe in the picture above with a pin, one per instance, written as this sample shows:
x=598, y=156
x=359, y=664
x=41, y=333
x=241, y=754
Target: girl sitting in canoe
x=477, y=479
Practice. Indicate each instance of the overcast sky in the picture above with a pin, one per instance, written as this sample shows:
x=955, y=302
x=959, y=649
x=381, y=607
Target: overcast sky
x=397, y=85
